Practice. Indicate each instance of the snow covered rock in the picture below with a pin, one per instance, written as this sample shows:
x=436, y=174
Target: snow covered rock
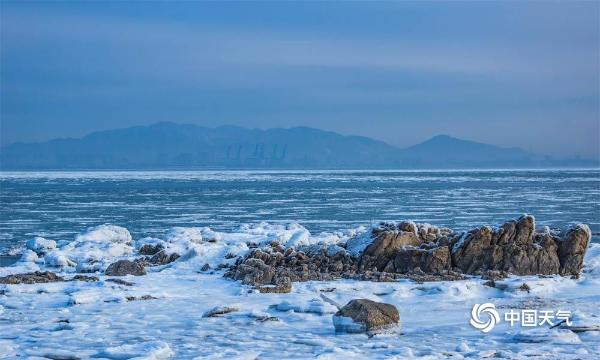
x=125, y=267
x=106, y=234
x=386, y=244
x=220, y=310
x=516, y=248
x=31, y=278
x=57, y=259
x=40, y=246
x=279, y=284
x=572, y=248
x=273, y=268
x=362, y=315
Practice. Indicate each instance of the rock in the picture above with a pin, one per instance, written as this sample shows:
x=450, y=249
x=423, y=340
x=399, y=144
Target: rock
x=524, y=287
x=580, y=329
x=120, y=282
x=572, y=248
x=362, y=315
x=385, y=247
x=125, y=267
x=490, y=283
x=150, y=249
x=265, y=318
x=516, y=248
x=219, y=311
x=254, y=272
x=31, y=278
x=162, y=258
x=205, y=267
x=281, y=284
x=432, y=261
x=143, y=297
x=85, y=278
x=494, y=275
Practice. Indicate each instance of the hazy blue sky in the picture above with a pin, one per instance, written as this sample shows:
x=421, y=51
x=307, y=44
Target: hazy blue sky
x=508, y=73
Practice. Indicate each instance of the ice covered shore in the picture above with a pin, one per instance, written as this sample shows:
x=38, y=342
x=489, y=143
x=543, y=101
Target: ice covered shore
x=161, y=314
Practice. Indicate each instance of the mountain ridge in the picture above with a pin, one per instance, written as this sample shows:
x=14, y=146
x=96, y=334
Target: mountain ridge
x=166, y=145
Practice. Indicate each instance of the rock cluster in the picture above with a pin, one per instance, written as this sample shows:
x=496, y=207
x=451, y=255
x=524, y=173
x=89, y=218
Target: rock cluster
x=424, y=253
x=274, y=269
x=515, y=247
x=390, y=251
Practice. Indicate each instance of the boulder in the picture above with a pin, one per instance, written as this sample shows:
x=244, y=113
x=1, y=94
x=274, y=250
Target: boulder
x=366, y=316
x=254, y=272
x=385, y=247
x=125, y=267
x=572, y=247
x=31, y=278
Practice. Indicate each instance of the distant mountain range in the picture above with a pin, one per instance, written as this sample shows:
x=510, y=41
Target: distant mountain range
x=168, y=145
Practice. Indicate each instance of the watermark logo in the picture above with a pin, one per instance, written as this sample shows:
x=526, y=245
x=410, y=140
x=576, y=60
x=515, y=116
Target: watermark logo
x=484, y=317
x=484, y=310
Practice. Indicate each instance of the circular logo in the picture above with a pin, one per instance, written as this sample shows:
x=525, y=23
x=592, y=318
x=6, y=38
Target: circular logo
x=488, y=309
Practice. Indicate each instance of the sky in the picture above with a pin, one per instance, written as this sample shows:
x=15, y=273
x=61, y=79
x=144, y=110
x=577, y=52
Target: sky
x=508, y=73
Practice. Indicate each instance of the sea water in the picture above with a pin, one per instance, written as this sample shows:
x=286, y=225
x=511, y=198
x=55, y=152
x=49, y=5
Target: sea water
x=58, y=205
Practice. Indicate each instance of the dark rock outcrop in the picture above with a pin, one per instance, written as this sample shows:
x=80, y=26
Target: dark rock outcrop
x=162, y=258
x=362, y=315
x=125, y=267
x=31, y=278
x=149, y=249
x=516, y=248
x=273, y=269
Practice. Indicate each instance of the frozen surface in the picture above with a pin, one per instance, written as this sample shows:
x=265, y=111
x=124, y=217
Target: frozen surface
x=106, y=320
x=59, y=205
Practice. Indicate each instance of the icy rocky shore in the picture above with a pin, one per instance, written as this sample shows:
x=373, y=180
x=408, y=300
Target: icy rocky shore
x=279, y=283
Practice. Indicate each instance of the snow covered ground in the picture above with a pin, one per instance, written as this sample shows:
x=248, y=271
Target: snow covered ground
x=103, y=319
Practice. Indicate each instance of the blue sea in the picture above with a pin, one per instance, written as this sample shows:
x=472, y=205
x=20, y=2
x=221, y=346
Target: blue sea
x=58, y=205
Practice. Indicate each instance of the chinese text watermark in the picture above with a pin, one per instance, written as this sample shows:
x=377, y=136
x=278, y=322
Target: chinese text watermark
x=484, y=317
